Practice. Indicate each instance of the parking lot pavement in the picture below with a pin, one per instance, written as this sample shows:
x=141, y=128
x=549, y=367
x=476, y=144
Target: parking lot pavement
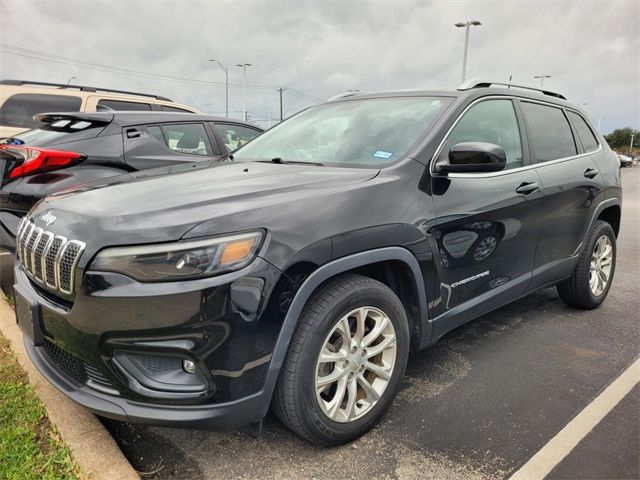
x=479, y=404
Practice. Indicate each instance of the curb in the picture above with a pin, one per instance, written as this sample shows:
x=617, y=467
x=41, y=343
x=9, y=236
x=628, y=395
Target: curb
x=92, y=447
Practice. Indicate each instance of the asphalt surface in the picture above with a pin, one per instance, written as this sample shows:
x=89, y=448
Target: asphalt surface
x=478, y=404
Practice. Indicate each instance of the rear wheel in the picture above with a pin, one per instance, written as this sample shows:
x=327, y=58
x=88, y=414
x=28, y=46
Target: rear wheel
x=345, y=361
x=591, y=280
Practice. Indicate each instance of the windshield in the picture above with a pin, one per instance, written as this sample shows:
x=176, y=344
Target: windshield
x=55, y=132
x=372, y=132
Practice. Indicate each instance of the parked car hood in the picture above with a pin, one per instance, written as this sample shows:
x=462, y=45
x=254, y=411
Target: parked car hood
x=164, y=204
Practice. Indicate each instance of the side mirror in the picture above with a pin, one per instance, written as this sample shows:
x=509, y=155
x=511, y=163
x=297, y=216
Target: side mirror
x=474, y=157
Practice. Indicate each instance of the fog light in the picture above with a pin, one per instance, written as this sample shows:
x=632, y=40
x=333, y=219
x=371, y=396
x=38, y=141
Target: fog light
x=189, y=366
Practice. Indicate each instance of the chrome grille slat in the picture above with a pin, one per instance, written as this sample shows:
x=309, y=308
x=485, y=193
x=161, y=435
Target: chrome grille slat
x=48, y=259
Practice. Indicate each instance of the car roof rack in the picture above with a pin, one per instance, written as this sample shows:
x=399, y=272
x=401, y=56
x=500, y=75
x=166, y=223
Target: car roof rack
x=348, y=93
x=83, y=88
x=483, y=83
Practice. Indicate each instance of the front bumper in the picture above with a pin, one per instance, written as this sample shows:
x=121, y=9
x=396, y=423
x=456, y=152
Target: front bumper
x=213, y=417
x=206, y=321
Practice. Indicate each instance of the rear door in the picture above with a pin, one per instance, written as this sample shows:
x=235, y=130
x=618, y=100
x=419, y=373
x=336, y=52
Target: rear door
x=151, y=146
x=571, y=182
x=487, y=223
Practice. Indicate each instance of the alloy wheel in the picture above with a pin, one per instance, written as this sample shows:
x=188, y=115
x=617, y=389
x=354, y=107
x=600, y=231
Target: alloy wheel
x=601, y=264
x=355, y=364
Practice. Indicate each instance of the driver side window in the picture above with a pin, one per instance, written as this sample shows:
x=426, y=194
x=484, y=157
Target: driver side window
x=491, y=121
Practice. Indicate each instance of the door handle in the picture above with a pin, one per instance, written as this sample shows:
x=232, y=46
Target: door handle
x=133, y=133
x=527, y=187
x=590, y=172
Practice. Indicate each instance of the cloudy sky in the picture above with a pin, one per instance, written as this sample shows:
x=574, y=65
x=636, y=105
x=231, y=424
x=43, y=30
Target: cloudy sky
x=316, y=49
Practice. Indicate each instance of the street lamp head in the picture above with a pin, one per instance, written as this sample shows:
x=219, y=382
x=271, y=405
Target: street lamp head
x=467, y=24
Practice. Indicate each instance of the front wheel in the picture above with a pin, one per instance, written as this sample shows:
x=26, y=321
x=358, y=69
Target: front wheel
x=345, y=361
x=591, y=280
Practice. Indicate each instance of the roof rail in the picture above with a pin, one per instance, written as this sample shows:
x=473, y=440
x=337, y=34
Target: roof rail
x=482, y=83
x=83, y=88
x=348, y=93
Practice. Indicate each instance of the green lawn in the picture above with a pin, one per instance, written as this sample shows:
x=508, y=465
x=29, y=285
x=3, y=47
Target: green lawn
x=30, y=448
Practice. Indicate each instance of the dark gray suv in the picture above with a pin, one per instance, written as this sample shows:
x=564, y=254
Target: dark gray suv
x=69, y=149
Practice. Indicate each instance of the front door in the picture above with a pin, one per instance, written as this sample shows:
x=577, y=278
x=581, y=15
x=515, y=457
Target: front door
x=486, y=226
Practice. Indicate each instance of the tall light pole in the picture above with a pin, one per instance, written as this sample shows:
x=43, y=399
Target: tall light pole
x=69, y=81
x=631, y=144
x=226, y=84
x=466, y=26
x=244, y=88
x=542, y=77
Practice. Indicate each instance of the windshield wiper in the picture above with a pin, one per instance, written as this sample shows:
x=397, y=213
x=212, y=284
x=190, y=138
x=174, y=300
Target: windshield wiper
x=281, y=161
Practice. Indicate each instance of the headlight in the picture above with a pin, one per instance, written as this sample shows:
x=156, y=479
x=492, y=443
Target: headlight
x=181, y=260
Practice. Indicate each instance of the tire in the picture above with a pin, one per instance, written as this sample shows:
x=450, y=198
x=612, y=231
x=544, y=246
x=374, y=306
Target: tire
x=303, y=406
x=577, y=290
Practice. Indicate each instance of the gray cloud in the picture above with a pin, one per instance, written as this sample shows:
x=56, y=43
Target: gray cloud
x=319, y=48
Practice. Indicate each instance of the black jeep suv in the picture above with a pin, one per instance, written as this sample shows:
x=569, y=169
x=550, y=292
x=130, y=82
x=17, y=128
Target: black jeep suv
x=300, y=273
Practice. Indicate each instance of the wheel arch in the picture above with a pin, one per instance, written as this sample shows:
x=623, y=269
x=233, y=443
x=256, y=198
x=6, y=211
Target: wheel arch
x=362, y=263
x=611, y=214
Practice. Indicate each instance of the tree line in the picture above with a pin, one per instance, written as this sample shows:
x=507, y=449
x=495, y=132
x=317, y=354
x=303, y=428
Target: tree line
x=620, y=139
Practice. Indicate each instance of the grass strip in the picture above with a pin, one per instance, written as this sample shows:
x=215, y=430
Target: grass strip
x=30, y=447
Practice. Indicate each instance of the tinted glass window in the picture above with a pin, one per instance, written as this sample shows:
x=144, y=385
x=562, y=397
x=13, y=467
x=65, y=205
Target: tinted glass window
x=120, y=105
x=58, y=131
x=234, y=136
x=360, y=132
x=550, y=132
x=492, y=121
x=19, y=109
x=166, y=108
x=588, y=139
x=188, y=138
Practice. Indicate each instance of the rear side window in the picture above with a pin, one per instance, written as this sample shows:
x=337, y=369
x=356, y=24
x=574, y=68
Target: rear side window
x=61, y=131
x=190, y=138
x=122, y=105
x=588, y=139
x=550, y=132
x=19, y=109
x=234, y=136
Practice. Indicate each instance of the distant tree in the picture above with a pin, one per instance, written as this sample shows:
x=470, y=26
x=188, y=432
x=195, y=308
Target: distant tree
x=620, y=138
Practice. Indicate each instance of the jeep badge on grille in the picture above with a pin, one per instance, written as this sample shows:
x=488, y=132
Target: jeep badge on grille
x=48, y=218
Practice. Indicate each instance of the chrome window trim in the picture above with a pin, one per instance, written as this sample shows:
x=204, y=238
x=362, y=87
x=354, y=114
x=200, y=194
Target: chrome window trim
x=511, y=170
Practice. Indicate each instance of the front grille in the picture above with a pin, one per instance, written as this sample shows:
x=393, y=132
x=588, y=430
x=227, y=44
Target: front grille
x=74, y=368
x=67, y=363
x=48, y=259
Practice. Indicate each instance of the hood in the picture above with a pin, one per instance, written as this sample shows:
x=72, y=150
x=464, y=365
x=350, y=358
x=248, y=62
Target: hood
x=164, y=204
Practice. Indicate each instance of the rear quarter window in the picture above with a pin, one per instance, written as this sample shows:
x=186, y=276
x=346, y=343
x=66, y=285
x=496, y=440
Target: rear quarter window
x=586, y=135
x=19, y=109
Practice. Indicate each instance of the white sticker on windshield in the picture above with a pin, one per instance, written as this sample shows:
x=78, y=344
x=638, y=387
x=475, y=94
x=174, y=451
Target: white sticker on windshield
x=383, y=154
